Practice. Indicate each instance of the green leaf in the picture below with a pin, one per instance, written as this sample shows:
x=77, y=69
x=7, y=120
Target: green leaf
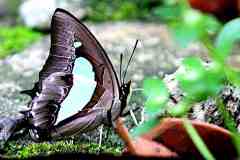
x=197, y=81
x=197, y=140
x=184, y=34
x=181, y=108
x=166, y=13
x=193, y=26
x=214, y=78
x=227, y=117
x=230, y=124
x=191, y=78
x=157, y=95
x=226, y=38
x=211, y=24
x=145, y=127
x=189, y=27
x=170, y=2
x=192, y=17
x=232, y=75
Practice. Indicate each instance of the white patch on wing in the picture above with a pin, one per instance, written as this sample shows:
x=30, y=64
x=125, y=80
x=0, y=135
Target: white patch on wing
x=77, y=44
x=82, y=90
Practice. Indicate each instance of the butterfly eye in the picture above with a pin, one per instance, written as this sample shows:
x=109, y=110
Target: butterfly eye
x=77, y=44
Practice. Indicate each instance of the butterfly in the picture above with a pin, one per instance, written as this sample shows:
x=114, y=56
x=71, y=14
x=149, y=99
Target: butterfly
x=70, y=39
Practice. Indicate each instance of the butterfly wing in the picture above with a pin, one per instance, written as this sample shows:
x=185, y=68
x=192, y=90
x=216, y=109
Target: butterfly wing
x=61, y=57
x=107, y=91
x=91, y=49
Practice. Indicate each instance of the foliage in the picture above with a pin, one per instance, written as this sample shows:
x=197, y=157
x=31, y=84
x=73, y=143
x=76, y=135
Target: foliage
x=227, y=37
x=114, y=10
x=108, y=10
x=64, y=146
x=145, y=127
x=14, y=39
x=170, y=11
x=197, y=24
x=205, y=81
x=197, y=80
x=157, y=96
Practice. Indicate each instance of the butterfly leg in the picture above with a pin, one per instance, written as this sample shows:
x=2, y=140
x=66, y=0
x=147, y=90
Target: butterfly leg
x=133, y=117
x=100, y=137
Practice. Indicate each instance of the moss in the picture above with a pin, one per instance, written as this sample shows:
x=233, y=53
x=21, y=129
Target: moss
x=15, y=39
x=15, y=150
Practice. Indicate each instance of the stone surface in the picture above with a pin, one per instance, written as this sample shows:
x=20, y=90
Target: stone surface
x=38, y=14
x=19, y=72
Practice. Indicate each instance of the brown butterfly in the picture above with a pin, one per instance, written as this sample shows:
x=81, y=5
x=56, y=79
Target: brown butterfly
x=56, y=80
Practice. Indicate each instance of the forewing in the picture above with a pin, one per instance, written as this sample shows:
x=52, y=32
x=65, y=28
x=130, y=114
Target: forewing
x=91, y=49
x=62, y=53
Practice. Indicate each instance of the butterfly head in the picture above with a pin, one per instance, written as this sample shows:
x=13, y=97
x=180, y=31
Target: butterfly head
x=126, y=88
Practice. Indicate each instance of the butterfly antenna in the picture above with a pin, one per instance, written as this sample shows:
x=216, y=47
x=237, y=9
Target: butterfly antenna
x=130, y=59
x=120, y=69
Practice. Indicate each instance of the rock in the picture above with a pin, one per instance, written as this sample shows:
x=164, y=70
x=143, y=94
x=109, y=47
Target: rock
x=31, y=59
x=19, y=72
x=38, y=14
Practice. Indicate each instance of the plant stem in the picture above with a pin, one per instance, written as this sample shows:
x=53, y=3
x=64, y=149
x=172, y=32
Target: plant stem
x=197, y=140
x=229, y=123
